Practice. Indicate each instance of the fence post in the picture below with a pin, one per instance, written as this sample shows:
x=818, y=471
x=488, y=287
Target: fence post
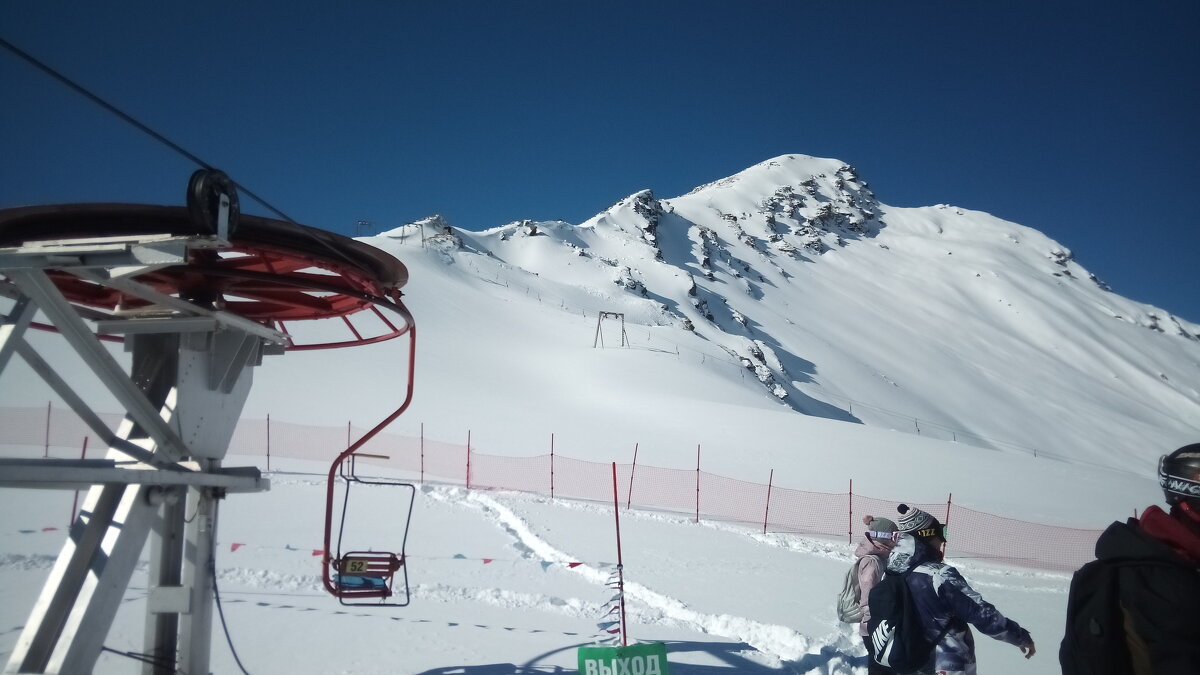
x=697, y=482
x=75, y=502
x=422, y=453
x=46, y=453
x=850, y=534
x=620, y=561
x=949, y=498
x=268, y=442
x=468, y=459
x=767, y=511
x=552, y=465
x=632, y=470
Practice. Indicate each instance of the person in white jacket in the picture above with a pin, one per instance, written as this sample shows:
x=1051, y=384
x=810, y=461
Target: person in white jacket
x=872, y=553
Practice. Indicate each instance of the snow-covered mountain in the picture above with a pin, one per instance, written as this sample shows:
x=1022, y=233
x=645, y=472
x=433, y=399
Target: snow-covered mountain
x=837, y=306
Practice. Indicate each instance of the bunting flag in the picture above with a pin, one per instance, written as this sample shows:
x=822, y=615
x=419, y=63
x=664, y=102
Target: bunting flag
x=235, y=546
x=609, y=628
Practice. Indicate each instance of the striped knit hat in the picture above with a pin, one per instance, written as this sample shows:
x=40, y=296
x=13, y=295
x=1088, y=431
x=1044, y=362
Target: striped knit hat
x=918, y=523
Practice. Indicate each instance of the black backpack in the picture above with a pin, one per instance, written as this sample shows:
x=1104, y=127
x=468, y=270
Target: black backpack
x=895, y=628
x=1094, y=642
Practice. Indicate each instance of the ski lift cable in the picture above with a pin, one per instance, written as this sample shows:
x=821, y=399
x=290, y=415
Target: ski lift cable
x=80, y=89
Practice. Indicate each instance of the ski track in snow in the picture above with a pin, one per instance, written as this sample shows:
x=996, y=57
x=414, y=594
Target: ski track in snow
x=650, y=607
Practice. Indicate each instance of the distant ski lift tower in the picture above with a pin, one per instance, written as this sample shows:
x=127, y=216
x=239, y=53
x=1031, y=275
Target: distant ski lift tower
x=199, y=296
x=600, y=333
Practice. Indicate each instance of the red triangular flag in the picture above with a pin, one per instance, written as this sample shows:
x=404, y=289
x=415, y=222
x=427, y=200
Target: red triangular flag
x=487, y=560
x=235, y=546
x=573, y=565
x=316, y=552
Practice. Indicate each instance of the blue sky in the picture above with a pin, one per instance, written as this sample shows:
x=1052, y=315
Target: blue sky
x=1075, y=118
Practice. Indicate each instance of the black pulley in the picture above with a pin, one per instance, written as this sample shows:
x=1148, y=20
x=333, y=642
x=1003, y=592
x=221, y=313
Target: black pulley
x=205, y=191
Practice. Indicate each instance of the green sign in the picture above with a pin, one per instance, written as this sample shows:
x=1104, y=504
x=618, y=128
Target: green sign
x=644, y=659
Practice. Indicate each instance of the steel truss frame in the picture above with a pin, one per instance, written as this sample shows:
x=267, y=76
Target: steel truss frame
x=198, y=308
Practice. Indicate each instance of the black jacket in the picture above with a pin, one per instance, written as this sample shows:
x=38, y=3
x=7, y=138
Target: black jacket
x=1161, y=600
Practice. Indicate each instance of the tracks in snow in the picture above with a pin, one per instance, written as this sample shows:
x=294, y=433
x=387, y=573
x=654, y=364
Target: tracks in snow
x=644, y=605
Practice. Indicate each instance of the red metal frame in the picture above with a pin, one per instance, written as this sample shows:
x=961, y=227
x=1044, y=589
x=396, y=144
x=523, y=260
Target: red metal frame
x=271, y=272
x=327, y=558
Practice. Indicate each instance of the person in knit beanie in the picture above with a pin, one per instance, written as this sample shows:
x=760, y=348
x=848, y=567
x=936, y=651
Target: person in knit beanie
x=920, y=524
x=945, y=602
x=872, y=552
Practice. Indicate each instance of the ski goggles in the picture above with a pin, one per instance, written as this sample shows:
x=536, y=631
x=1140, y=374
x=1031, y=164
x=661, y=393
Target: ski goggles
x=941, y=531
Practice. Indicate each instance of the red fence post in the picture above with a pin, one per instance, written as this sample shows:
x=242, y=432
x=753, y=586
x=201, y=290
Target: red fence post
x=620, y=561
x=949, y=498
x=47, y=450
x=75, y=502
x=632, y=469
x=767, y=511
x=850, y=534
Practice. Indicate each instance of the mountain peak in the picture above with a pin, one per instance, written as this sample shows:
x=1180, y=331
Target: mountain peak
x=836, y=305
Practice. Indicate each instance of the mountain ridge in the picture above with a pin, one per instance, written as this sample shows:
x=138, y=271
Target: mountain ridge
x=827, y=296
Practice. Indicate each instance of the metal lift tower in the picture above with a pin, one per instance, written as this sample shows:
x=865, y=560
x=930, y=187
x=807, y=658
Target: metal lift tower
x=198, y=296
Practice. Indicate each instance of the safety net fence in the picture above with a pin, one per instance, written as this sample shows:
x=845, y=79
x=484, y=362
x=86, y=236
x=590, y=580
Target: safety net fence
x=698, y=494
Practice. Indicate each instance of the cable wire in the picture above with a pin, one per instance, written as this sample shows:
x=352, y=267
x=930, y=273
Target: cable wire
x=131, y=120
x=212, y=566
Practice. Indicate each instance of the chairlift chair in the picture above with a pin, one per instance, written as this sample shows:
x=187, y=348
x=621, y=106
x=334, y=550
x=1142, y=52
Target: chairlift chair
x=368, y=577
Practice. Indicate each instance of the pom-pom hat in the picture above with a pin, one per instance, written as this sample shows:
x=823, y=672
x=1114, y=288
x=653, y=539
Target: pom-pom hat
x=919, y=524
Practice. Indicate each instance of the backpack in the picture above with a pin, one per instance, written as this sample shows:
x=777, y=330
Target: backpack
x=848, y=608
x=895, y=628
x=1094, y=643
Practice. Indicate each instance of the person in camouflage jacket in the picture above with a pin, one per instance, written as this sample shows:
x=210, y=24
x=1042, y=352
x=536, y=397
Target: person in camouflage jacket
x=947, y=604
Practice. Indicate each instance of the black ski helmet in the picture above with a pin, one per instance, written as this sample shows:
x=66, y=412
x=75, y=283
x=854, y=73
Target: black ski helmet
x=1179, y=475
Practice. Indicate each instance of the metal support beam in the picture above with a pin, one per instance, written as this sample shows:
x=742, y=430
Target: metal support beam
x=38, y=286
x=13, y=328
x=195, y=626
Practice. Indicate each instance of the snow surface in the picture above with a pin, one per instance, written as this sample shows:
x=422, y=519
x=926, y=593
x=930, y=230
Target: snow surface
x=930, y=350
